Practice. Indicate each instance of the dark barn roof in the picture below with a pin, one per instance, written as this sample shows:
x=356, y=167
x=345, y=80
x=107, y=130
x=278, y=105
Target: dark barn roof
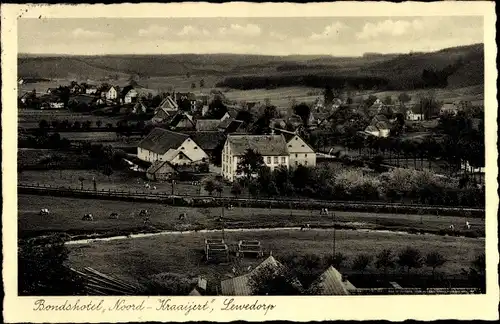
x=273, y=145
x=161, y=140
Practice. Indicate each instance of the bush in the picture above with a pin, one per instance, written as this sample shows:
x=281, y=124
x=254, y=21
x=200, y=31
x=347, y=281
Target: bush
x=167, y=284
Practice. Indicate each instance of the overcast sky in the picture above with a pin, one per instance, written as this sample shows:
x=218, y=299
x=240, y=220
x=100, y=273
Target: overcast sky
x=339, y=36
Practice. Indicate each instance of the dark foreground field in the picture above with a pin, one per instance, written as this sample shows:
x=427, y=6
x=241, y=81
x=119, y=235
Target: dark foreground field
x=133, y=259
x=66, y=216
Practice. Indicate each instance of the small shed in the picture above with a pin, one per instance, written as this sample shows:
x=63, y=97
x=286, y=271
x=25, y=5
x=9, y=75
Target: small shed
x=160, y=170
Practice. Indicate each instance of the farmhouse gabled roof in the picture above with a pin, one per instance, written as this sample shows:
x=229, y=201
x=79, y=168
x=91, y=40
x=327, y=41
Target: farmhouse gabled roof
x=239, y=286
x=379, y=118
x=180, y=116
x=157, y=166
x=267, y=145
x=330, y=283
x=168, y=104
x=207, y=124
x=139, y=106
x=382, y=125
x=207, y=140
x=161, y=140
x=371, y=128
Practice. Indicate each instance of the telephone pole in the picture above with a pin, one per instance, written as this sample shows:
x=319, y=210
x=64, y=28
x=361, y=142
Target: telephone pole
x=222, y=220
x=334, y=233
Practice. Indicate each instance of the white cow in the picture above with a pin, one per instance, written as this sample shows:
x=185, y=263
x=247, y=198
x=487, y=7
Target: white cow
x=44, y=211
x=452, y=227
x=467, y=225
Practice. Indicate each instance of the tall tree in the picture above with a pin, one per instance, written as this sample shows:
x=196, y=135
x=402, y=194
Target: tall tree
x=250, y=164
x=410, y=258
x=236, y=189
x=41, y=268
x=404, y=98
x=272, y=282
x=328, y=95
x=385, y=260
x=434, y=260
x=361, y=262
x=303, y=111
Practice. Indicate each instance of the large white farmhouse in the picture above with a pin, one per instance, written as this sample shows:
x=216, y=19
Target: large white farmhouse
x=165, y=145
x=272, y=148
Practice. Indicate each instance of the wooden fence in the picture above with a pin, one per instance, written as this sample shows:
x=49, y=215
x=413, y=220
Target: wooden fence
x=259, y=202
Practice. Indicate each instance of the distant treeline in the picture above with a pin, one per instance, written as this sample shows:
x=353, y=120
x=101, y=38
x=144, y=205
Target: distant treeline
x=428, y=78
x=315, y=81
x=298, y=67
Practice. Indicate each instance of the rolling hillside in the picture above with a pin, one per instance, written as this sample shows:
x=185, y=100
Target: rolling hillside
x=393, y=67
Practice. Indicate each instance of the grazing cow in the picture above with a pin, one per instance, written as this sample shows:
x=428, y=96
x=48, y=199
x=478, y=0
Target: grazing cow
x=154, y=187
x=182, y=216
x=44, y=211
x=88, y=217
x=305, y=226
x=113, y=216
x=230, y=207
x=144, y=212
x=467, y=225
x=146, y=186
x=452, y=227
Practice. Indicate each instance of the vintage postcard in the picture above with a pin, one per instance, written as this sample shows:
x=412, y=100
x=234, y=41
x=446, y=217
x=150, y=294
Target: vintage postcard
x=256, y=162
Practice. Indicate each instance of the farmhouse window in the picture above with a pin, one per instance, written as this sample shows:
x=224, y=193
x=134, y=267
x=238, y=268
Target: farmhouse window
x=296, y=155
x=275, y=160
x=305, y=155
x=283, y=160
x=268, y=160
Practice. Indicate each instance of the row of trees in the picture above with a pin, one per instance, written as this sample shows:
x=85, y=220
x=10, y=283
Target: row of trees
x=332, y=182
x=329, y=181
x=66, y=124
x=300, y=274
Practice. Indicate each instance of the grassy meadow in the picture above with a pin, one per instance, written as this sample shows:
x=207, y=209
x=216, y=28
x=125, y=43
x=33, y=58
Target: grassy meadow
x=66, y=213
x=133, y=259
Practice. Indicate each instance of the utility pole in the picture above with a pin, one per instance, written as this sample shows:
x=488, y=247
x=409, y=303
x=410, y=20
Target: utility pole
x=222, y=220
x=334, y=233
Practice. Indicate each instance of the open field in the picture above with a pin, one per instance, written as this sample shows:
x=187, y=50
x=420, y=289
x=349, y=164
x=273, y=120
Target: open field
x=119, y=181
x=66, y=214
x=30, y=118
x=133, y=259
x=281, y=97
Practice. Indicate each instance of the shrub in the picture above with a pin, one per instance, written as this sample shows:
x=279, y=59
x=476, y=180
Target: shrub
x=167, y=284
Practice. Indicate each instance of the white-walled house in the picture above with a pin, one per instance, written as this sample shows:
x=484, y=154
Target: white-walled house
x=299, y=151
x=130, y=96
x=110, y=93
x=272, y=148
x=165, y=145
